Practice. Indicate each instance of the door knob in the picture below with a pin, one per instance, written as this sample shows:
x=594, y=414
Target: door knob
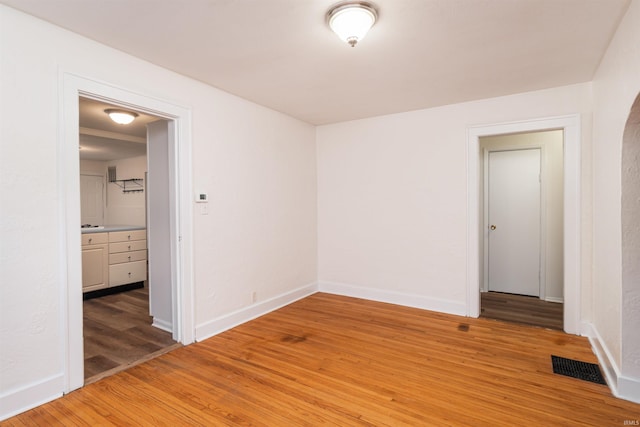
x=493, y=227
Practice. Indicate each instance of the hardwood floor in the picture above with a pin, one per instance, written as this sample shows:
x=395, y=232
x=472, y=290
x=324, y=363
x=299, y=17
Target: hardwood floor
x=118, y=333
x=522, y=309
x=332, y=360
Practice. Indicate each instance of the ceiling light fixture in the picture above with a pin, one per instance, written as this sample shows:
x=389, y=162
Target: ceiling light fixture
x=351, y=20
x=121, y=117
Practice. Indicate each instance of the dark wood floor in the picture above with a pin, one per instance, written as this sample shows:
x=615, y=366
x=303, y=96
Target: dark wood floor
x=339, y=361
x=527, y=310
x=118, y=333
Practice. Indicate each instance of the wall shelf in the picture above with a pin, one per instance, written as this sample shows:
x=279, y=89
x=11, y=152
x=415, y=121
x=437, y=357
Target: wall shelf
x=133, y=185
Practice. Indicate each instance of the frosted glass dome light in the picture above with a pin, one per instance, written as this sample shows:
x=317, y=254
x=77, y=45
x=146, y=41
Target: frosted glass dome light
x=120, y=116
x=352, y=20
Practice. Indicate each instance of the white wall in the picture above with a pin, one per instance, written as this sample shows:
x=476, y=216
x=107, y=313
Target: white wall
x=121, y=208
x=257, y=165
x=551, y=143
x=158, y=196
x=615, y=86
x=93, y=167
x=631, y=244
x=392, y=197
x=126, y=208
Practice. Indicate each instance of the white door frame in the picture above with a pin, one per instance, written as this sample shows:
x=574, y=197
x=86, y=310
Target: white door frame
x=72, y=86
x=543, y=217
x=572, y=214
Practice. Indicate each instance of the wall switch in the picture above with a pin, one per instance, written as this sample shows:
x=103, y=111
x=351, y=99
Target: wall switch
x=204, y=209
x=202, y=197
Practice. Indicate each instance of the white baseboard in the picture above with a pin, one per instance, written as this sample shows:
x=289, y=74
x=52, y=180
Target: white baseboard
x=554, y=299
x=228, y=321
x=393, y=297
x=162, y=324
x=622, y=387
x=35, y=394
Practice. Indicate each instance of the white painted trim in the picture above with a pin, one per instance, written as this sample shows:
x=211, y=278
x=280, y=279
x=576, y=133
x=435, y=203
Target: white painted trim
x=554, y=299
x=245, y=314
x=73, y=86
x=629, y=389
x=394, y=297
x=29, y=396
x=542, y=254
x=621, y=387
x=605, y=359
x=162, y=324
x=572, y=214
x=483, y=235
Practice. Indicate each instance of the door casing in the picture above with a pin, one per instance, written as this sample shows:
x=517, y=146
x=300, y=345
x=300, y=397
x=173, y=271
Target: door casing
x=73, y=86
x=570, y=124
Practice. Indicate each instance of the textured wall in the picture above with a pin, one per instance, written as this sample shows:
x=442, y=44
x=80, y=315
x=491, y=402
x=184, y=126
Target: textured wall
x=615, y=87
x=631, y=245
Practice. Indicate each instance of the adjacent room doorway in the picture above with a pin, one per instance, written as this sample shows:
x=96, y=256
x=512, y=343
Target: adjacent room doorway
x=180, y=234
x=125, y=320
x=522, y=228
x=559, y=263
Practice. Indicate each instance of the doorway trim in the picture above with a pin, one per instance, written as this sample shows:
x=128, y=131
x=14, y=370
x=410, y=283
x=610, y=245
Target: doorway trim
x=72, y=87
x=570, y=125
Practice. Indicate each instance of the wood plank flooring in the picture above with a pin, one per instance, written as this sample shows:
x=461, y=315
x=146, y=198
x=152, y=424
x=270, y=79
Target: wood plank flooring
x=118, y=333
x=522, y=309
x=333, y=360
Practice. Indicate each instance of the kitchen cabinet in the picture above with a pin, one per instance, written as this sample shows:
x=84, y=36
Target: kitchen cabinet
x=113, y=258
x=127, y=257
x=95, y=261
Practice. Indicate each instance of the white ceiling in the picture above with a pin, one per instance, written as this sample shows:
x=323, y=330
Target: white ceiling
x=102, y=139
x=420, y=54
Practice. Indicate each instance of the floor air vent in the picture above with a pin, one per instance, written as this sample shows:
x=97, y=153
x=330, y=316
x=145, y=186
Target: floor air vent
x=576, y=369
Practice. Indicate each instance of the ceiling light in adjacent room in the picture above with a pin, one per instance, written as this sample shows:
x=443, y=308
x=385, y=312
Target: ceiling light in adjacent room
x=352, y=20
x=121, y=117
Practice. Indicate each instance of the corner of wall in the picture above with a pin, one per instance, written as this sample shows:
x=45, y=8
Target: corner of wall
x=622, y=387
x=394, y=297
x=233, y=319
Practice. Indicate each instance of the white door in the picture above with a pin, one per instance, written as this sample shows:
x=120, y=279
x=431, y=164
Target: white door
x=91, y=199
x=514, y=221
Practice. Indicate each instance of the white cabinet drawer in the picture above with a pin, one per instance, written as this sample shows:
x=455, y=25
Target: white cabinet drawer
x=129, y=272
x=137, y=245
x=94, y=238
x=121, y=257
x=127, y=236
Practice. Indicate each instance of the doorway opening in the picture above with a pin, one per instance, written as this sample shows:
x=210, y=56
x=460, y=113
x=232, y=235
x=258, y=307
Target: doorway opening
x=179, y=190
x=120, y=327
x=522, y=227
x=571, y=213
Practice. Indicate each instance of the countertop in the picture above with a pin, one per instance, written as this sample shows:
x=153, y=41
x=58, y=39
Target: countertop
x=108, y=228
